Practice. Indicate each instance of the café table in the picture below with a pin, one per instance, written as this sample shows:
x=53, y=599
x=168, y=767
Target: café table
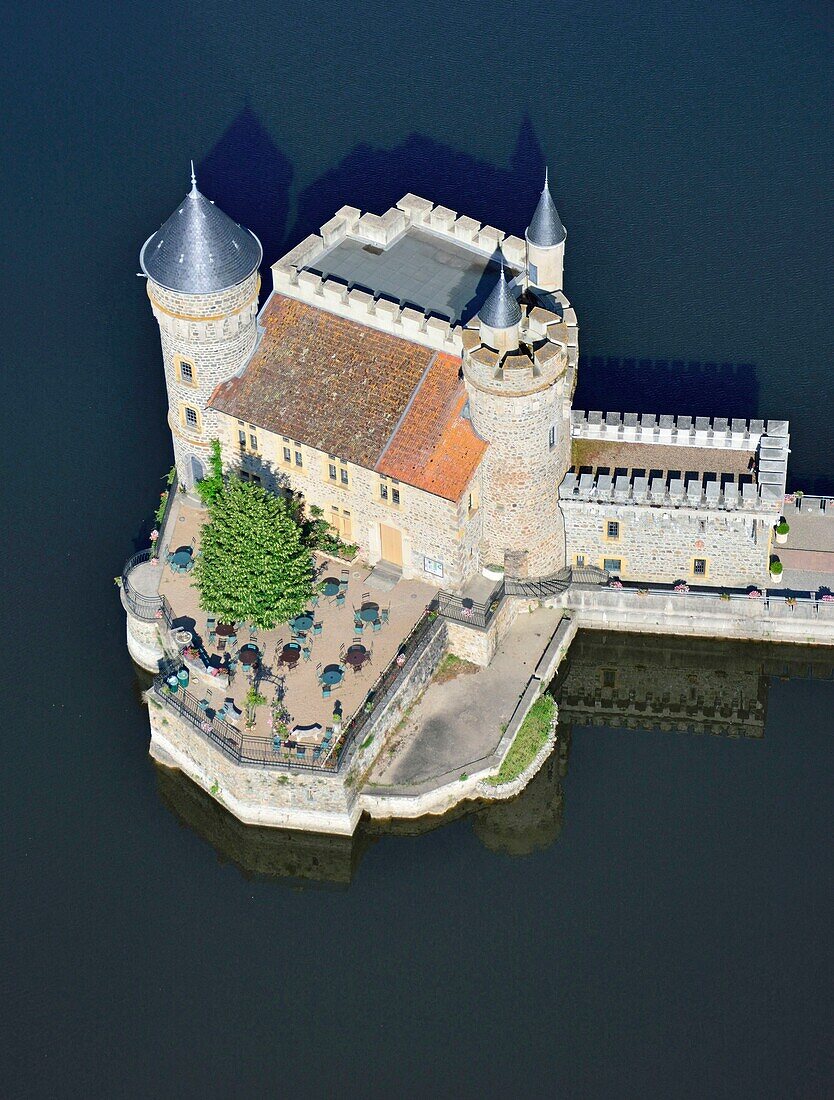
x=356, y=656
x=225, y=630
x=182, y=557
x=330, y=586
x=290, y=654
x=249, y=655
x=369, y=612
x=332, y=675
x=302, y=623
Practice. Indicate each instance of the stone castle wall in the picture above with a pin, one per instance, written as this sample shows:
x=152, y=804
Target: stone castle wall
x=432, y=528
x=658, y=545
x=216, y=333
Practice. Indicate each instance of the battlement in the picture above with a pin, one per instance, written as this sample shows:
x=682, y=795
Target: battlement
x=700, y=491
x=676, y=431
x=419, y=270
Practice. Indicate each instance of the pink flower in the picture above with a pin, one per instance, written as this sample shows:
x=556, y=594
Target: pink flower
x=827, y=598
x=615, y=584
x=754, y=594
x=154, y=535
x=158, y=613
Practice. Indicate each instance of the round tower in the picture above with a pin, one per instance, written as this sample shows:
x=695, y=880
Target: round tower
x=546, y=238
x=202, y=271
x=516, y=365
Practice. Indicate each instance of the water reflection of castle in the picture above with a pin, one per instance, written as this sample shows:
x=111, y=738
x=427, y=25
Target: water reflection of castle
x=625, y=681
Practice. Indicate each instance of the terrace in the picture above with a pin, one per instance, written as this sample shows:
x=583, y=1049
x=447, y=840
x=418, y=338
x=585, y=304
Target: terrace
x=285, y=695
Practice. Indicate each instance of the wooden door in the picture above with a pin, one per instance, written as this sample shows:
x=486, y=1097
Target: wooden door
x=392, y=544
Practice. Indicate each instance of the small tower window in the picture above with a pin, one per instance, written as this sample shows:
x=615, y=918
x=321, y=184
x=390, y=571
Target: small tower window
x=699, y=567
x=612, y=530
x=551, y=435
x=186, y=372
x=191, y=417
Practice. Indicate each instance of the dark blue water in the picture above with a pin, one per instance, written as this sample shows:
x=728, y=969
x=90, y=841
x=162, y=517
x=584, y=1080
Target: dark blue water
x=674, y=940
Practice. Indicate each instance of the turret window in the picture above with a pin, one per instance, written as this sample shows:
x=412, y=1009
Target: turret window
x=185, y=372
x=192, y=417
x=551, y=435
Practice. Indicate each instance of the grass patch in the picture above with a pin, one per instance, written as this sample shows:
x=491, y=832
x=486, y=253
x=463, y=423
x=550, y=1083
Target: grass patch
x=367, y=741
x=531, y=736
x=452, y=666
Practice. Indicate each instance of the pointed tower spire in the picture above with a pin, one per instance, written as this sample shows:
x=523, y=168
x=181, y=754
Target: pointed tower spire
x=193, y=179
x=545, y=229
x=501, y=309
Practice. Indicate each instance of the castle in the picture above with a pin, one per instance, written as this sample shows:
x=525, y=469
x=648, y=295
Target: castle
x=412, y=374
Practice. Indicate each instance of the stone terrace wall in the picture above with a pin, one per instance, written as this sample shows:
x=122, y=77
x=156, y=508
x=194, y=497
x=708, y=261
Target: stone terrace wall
x=659, y=545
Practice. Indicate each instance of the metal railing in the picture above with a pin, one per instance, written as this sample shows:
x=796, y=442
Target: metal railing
x=461, y=609
x=142, y=606
x=244, y=748
x=540, y=589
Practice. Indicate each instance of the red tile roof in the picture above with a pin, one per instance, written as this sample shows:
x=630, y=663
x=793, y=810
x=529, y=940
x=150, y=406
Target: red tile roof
x=434, y=447
x=377, y=400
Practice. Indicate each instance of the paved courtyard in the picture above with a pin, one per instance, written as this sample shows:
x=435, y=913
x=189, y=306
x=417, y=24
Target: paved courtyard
x=303, y=696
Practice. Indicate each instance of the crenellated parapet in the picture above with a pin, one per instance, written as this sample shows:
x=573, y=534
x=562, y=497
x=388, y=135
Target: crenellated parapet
x=301, y=272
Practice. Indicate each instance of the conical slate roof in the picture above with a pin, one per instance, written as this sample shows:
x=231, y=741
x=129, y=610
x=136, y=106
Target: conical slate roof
x=501, y=309
x=200, y=249
x=546, y=230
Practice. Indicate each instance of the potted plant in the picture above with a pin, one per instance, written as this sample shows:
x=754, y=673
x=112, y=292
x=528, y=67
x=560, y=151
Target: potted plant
x=776, y=568
x=782, y=528
x=493, y=572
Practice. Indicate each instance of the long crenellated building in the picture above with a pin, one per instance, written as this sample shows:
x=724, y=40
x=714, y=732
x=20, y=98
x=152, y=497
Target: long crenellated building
x=412, y=374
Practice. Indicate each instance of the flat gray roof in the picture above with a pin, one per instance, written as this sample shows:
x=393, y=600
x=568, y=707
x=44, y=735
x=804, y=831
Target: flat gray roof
x=419, y=268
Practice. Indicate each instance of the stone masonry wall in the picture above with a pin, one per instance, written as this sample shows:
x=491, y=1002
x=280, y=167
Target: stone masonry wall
x=216, y=333
x=431, y=527
x=660, y=545
x=521, y=474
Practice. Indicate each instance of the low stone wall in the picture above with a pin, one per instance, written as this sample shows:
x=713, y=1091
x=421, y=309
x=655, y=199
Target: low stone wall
x=770, y=620
x=291, y=798
x=477, y=644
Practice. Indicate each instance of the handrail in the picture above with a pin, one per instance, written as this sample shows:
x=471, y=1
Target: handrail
x=461, y=609
x=250, y=749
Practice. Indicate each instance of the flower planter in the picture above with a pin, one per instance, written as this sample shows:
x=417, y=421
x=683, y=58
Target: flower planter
x=781, y=539
x=492, y=573
x=776, y=578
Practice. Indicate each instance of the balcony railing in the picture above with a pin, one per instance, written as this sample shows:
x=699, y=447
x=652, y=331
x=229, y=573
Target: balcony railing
x=461, y=609
x=245, y=748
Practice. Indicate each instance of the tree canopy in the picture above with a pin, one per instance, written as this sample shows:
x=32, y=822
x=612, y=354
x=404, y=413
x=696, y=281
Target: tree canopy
x=253, y=565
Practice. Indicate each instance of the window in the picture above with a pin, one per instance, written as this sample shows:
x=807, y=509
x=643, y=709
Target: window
x=187, y=372
x=395, y=496
x=337, y=472
x=580, y=560
x=331, y=470
x=473, y=501
x=192, y=417
x=433, y=567
x=287, y=454
x=612, y=530
x=609, y=677
x=253, y=441
x=241, y=438
x=612, y=565
x=383, y=490
x=246, y=476
x=699, y=567
x=551, y=437
x=343, y=474
x=298, y=460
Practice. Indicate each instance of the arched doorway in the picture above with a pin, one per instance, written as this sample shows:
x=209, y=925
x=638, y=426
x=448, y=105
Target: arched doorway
x=198, y=470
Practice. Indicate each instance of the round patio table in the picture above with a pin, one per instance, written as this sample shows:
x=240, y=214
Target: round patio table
x=369, y=612
x=249, y=655
x=302, y=622
x=290, y=654
x=332, y=675
x=224, y=630
x=356, y=656
x=182, y=557
x=330, y=586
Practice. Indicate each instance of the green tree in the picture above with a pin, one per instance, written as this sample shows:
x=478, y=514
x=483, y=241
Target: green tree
x=212, y=486
x=253, y=565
